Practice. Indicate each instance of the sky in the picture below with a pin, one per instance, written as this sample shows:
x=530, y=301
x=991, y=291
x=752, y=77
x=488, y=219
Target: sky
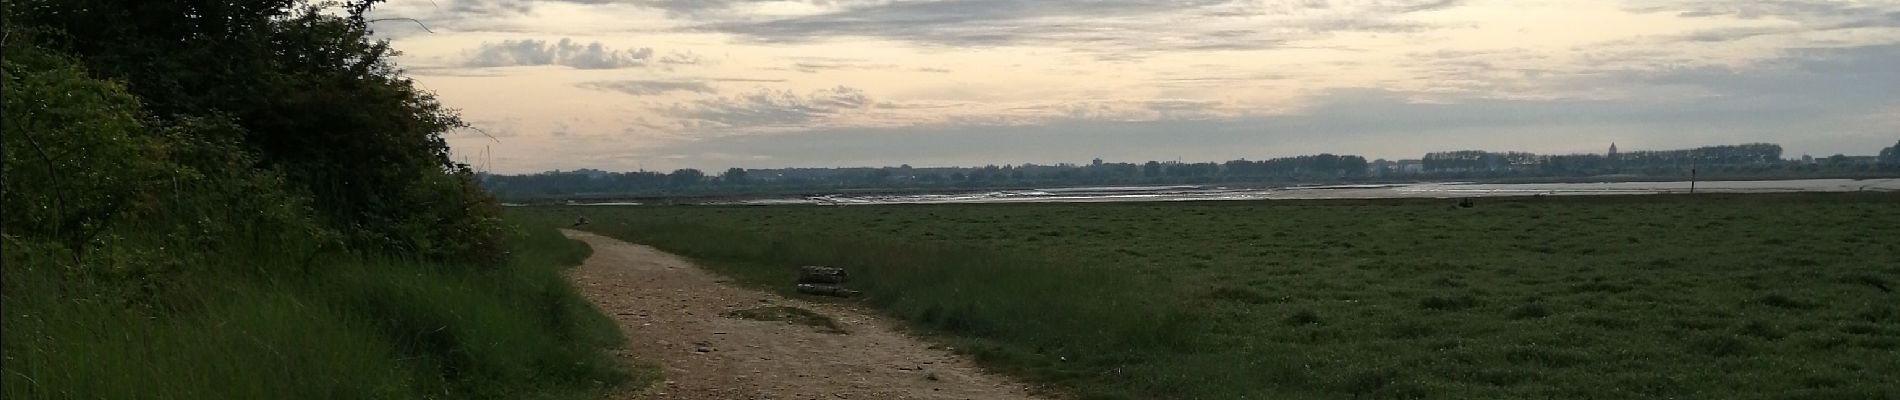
x=624, y=85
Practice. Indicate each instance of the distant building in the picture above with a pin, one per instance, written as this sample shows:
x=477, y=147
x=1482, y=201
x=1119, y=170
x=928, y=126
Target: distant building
x=1846, y=160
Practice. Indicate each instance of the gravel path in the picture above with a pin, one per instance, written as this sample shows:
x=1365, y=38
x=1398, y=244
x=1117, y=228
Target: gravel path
x=672, y=312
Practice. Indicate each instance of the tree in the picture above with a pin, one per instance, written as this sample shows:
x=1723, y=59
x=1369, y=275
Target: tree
x=685, y=177
x=734, y=176
x=1890, y=155
x=311, y=92
x=1152, y=169
x=878, y=175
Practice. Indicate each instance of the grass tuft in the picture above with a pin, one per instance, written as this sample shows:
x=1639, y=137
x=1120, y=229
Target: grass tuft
x=1529, y=311
x=1762, y=330
x=1784, y=302
x=1238, y=295
x=1719, y=346
x=1304, y=317
x=1449, y=303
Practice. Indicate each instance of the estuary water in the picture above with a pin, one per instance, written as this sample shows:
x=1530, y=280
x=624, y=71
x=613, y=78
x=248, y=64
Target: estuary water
x=1408, y=190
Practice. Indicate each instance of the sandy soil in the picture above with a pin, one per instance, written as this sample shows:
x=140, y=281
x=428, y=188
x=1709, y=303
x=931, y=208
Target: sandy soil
x=671, y=311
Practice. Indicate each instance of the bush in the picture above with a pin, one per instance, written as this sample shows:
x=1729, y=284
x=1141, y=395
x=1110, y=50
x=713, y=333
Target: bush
x=182, y=253
x=300, y=90
x=78, y=154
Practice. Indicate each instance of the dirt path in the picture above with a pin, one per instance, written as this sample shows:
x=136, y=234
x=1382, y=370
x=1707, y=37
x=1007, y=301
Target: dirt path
x=671, y=311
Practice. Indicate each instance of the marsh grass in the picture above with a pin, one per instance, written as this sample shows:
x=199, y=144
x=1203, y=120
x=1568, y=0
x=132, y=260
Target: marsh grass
x=354, y=327
x=1586, y=297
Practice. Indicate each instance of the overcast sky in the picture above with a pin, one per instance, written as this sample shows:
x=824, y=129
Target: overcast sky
x=710, y=84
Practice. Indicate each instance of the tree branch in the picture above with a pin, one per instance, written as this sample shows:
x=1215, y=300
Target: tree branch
x=59, y=190
x=484, y=133
x=425, y=28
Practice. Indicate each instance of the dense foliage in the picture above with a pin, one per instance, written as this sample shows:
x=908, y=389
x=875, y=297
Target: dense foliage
x=209, y=199
x=310, y=95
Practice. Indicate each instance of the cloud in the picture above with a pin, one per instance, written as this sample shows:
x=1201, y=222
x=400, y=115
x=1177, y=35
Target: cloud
x=1790, y=83
x=1183, y=109
x=1818, y=101
x=456, y=71
x=1373, y=123
x=957, y=22
x=1806, y=16
x=703, y=7
x=1740, y=33
x=815, y=64
x=505, y=127
x=1799, y=10
x=769, y=108
x=682, y=58
x=1106, y=110
x=488, y=7
x=1814, y=80
x=566, y=52
x=1200, y=77
x=649, y=88
x=402, y=19
x=1115, y=28
x=1214, y=77
x=839, y=98
x=746, y=80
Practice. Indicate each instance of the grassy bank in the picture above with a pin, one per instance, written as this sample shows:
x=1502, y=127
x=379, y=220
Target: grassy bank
x=1765, y=296
x=351, y=327
x=259, y=207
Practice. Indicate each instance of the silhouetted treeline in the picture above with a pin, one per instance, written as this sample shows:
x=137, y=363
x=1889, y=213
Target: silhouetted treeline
x=1753, y=159
x=1744, y=155
x=1890, y=155
x=1322, y=167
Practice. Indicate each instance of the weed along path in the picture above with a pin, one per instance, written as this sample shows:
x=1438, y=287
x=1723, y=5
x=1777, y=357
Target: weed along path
x=718, y=341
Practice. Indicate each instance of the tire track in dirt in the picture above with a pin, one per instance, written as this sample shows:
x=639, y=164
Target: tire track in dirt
x=672, y=313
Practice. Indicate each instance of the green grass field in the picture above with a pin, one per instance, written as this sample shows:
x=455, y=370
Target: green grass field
x=1718, y=296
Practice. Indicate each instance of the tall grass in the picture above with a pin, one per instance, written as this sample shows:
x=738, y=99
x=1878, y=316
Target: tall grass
x=1026, y=313
x=1757, y=296
x=352, y=327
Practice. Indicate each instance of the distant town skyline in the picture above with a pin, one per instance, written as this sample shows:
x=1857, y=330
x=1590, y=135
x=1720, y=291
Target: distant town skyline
x=1416, y=163
x=664, y=84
